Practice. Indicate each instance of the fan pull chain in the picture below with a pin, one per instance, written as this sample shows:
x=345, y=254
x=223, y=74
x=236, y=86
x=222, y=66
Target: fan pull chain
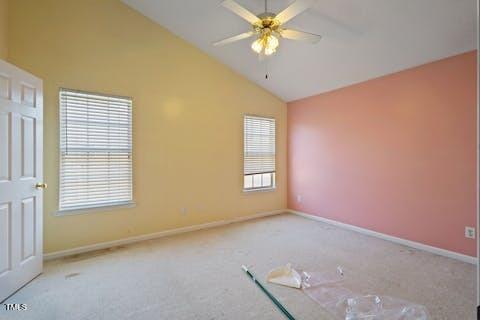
x=266, y=69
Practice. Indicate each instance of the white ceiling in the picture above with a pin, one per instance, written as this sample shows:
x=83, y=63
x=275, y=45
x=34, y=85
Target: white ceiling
x=362, y=39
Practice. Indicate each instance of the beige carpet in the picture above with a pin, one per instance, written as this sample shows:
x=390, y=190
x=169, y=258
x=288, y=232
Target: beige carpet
x=198, y=276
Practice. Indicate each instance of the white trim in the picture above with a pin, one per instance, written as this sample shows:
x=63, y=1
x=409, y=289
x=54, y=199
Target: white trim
x=115, y=243
x=408, y=243
x=267, y=189
x=71, y=212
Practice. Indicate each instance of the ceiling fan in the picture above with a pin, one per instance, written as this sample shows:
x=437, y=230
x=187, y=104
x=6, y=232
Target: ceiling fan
x=268, y=27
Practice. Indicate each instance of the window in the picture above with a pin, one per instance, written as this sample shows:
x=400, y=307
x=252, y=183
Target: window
x=259, y=153
x=95, y=150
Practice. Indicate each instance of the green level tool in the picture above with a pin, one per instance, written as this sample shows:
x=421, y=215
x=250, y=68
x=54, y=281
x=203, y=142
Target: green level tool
x=274, y=300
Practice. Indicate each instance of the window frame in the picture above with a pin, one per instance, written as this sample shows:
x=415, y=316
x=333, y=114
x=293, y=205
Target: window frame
x=273, y=177
x=101, y=207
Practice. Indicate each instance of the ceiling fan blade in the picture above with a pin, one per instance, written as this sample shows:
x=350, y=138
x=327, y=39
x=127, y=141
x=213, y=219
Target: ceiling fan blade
x=240, y=11
x=300, y=35
x=293, y=10
x=332, y=27
x=241, y=36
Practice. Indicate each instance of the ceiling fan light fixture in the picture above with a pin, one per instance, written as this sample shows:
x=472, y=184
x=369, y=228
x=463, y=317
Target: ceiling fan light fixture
x=269, y=51
x=266, y=43
x=272, y=42
x=257, y=46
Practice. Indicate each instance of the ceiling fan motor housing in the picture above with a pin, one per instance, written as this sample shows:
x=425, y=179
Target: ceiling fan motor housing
x=267, y=23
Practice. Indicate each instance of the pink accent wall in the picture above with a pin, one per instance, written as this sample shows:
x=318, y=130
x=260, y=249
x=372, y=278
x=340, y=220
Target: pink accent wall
x=396, y=154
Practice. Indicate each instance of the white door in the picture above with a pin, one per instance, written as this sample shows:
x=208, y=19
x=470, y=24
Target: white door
x=21, y=189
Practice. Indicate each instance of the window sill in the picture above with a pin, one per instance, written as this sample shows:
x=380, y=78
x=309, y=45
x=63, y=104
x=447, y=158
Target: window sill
x=259, y=190
x=70, y=212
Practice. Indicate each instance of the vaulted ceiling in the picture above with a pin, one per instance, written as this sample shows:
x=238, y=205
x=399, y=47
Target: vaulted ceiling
x=362, y=39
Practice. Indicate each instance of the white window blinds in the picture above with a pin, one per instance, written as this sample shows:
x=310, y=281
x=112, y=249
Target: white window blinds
x=95, y=150
x=259, y=152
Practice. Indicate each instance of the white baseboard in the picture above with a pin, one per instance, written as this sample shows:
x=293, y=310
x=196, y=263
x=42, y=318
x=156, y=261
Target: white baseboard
x=120, y=242
x=408, y=243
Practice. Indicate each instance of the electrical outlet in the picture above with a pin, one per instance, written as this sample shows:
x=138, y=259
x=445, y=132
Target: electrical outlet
x=470, y=232
x=299, y=198
x=183, y=211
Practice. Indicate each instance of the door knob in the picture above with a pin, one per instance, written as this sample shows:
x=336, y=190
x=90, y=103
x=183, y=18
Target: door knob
x=41, y=186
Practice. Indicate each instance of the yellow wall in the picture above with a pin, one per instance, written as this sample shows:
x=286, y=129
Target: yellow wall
x=188, y=117
x=3, y=29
